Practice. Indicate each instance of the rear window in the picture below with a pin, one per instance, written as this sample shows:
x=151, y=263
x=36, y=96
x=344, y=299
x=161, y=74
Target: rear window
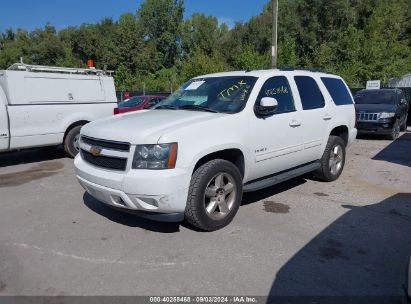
x=338, y=91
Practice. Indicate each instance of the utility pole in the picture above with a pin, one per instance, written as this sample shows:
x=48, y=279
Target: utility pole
x=274, y=49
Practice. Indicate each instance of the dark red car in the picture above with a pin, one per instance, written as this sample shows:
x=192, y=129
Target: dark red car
x=137, y=103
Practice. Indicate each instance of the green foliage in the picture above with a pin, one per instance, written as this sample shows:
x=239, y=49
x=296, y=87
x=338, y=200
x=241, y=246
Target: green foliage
x=199, y=63
x=247, y=58
x=156, y=49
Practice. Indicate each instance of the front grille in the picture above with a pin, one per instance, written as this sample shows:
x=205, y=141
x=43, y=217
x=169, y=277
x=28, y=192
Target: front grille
x=368, y=116
x=112, y=145
x=107, y=162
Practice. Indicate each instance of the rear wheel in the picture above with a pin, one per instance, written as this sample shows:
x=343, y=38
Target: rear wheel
x=332, y=161
x=71, y=142
x=395, y=132
x=214, y=196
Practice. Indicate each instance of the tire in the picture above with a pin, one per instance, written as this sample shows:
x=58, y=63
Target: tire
x=71, y=142
x=214, y=196
x=404, y=124
x=395, y=132
x=332, y=161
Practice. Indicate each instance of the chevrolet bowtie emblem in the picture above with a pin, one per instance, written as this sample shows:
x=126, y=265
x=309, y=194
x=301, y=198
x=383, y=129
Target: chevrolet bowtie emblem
x=95, y=151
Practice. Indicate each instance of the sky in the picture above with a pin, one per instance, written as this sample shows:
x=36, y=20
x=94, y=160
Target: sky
x=30, y=14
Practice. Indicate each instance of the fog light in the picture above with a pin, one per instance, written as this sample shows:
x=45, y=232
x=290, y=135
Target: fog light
x=385, y=125
x=119, y=201
x=149, y=201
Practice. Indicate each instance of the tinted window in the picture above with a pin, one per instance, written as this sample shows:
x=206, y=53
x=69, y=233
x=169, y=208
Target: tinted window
x=278, y=88
x=376, y=97
x=311, y=96
x=337, y=90
x=153, y=102
x=131, y=102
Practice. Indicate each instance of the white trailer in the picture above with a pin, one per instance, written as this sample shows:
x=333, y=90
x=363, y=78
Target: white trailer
x=46, y=106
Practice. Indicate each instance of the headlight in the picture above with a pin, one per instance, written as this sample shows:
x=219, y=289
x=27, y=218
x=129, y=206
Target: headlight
x=155, y=157
x=386, y=115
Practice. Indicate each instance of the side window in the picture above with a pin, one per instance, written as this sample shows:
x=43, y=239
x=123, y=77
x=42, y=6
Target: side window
x=337, y=90
x=153, y=102
x=311, y=96
x=278, y=88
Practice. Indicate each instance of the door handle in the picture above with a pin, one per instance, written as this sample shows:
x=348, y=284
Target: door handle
x=327, y=117
x=295, y=123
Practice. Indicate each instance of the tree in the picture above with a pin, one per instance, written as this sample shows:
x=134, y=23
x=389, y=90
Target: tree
x=199, y=64
x=160, y=22
x=200, y=32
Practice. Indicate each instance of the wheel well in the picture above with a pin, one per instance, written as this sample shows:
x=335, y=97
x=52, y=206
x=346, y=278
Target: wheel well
x=341, y=131
x=76, y=124
x=234, y=156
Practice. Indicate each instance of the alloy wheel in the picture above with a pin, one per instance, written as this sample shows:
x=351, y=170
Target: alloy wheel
x=220, y=196
x=336, y=159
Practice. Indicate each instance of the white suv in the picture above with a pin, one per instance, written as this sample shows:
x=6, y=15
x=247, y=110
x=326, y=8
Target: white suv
x=218, y=136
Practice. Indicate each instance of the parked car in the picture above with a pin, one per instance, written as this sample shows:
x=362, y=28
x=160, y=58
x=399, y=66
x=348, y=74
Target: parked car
x=46, y=106
x=136, y=103
x=382, y=112
x=218, y=136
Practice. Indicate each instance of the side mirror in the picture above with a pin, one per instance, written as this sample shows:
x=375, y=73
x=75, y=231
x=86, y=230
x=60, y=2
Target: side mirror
x=267, y=106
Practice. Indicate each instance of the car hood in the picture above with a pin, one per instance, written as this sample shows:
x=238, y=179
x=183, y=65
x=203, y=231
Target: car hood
x=145, y=127
x=374, y=108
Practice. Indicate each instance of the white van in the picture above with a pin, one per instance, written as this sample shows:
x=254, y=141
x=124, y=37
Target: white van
x=46, y=106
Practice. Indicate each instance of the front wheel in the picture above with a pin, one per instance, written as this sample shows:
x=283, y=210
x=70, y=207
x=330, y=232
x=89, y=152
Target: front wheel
x=214, y=196
x=404, y=124
x=332, y=161
x=71, y=142
x=395, y=132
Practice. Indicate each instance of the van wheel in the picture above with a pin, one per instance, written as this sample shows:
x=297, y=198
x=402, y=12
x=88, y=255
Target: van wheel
x=71, y=142
x=332, y=161
x=215, y=194
x=404, y=124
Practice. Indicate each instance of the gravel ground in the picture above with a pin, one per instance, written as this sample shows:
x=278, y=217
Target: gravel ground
x=303, y=237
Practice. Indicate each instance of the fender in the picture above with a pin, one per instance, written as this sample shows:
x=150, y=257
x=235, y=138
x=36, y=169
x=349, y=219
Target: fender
x=202, y=153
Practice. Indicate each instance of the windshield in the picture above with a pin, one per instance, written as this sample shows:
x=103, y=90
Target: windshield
x=375, y=97
x=214, y=94
x=131, y=102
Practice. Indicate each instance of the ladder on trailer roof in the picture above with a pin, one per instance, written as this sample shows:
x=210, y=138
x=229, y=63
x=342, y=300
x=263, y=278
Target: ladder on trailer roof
x=53, y=69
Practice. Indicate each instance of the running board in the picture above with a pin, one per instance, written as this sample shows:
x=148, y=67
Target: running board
x=280, y=177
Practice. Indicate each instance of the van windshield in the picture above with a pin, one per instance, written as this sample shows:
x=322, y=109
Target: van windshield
x=375, y=97
x=213, y=94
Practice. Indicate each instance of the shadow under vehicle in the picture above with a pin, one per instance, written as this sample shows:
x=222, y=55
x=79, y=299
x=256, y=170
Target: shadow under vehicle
x=362, y=257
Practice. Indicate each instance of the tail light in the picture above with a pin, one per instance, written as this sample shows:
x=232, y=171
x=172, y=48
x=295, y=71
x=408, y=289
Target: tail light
x=116, y=111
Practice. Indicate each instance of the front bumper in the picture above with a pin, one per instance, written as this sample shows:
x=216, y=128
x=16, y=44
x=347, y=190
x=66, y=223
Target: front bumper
x=381, y=127
x=153, y=191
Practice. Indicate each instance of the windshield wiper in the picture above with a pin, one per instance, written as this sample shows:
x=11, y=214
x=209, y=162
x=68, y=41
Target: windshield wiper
x=198, y=107
x=165, y=107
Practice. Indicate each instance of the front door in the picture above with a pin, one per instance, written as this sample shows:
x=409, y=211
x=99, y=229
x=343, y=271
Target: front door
x=276, y=140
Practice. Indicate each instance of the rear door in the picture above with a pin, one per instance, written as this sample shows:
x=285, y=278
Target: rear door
x=4, y=122
x=315, y=117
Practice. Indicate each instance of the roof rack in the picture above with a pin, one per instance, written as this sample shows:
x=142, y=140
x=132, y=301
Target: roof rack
x=290, y=68
x=53, y=69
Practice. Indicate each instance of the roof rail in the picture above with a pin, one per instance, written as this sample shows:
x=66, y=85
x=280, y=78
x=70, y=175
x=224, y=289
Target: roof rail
x=290, y=68
x=53, y=69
